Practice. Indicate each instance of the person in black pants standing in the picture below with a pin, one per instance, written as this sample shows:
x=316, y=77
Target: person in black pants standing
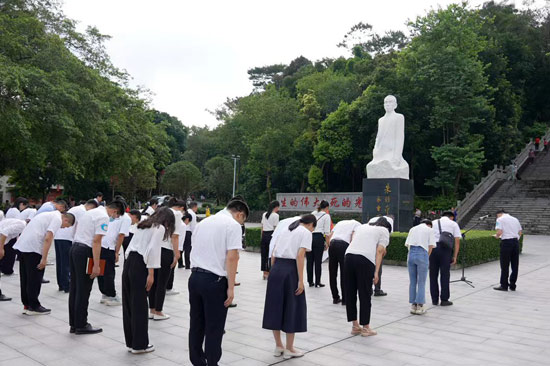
x=321, y=238
x=214, y=259
x=192, y=211
x=87, y=244
x=443, y=256
x=509, y=232
x=341, y=236
x=270, y=220
x=143, y=255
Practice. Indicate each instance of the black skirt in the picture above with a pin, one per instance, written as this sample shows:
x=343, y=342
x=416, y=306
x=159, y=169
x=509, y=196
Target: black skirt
x=284, y=310
x=266, y=240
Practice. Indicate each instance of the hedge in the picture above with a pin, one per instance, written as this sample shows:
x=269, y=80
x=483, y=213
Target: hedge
x=480, y=247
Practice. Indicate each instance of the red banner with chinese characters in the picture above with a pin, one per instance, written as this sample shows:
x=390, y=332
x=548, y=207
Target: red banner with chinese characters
x=339, y=202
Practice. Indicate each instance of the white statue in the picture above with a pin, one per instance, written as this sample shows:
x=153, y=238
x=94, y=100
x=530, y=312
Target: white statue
x=387, y=155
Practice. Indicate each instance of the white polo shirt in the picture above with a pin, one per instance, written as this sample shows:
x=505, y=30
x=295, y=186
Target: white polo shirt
x=366, y=240
x=179, y=230
x=28, y=214
x=193, y=222
x=126, y=222
x=11, y=228
x=67, y=233
x=323, y=222
x=283, y=225
x=344, y=229
x=147, y=242
x=290, y=242
x=390, y=220
x=108, y=241
x=13, y=213
x=447, y=225
x=211, y=240
x=32, y=238
x=509, y=225
x=421, y=236
x=93, y=222
x=269, y=224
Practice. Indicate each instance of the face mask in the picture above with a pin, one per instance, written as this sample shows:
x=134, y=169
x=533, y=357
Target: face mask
x=111, y=219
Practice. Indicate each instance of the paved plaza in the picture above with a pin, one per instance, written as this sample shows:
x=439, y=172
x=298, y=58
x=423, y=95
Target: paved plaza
x=484, y=327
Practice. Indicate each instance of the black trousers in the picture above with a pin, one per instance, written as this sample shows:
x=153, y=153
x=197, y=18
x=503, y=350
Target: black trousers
x=509, y=255
x=170, y=283
x=359, y=277
x=107, y=281
x=7, y=263
x=63, y=271
x=440, y=264
x=336, y=258
x=378, y=286
x=134, y=302
x=81, y=285
x=162, y=275
x=207, y=293
x=30, y=278
x=187, y=249
x=315, y=257
x=264, y=251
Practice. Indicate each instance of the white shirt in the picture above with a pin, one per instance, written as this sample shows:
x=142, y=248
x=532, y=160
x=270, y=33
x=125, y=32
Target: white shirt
x=193, y=222
x=133, y=228
x=46, y=207
x=447, y=225
x=28, y=214
x=211, y=240
x=149, y=211
x=390, y=220
x=147, y=242
x=323, y=222
x=108, y=241
x=11, y=228
x=290, y=242
x=182, y=237
x=344, y=229
x=13, y=213
x=269, y=224
x=179, y=230
x=93, y=222
x=283, y=225
x=32, y=238
x=1, y=215
x=509, y=225
x=125, y=224
x=67, y=233
x=366, y=240
x=421, y=236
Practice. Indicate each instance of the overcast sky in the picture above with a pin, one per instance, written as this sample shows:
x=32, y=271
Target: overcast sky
x=194, y=54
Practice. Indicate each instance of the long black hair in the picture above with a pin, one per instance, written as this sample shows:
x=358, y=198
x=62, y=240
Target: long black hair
x=305, y=219
x=19, y=201
x=163, y=216
x=324, y=204
x=382, y=221
x=271, y=207
x=174, y=202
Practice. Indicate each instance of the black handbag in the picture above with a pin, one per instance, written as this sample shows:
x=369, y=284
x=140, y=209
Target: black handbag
x=446, y=239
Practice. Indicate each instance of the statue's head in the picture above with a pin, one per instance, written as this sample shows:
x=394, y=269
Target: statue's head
x=390, y=103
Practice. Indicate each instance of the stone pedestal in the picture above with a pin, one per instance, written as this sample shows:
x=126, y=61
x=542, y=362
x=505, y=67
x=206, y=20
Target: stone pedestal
x=391, y=196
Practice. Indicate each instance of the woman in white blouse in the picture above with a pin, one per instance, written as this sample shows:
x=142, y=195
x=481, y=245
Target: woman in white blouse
x=270, y=220
x=143, y=256
x=320, y=242
x=285, y=301
x=362, y=265
x=7, y=263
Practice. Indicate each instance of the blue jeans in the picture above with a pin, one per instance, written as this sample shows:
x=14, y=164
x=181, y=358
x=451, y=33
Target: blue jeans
x=418, y=271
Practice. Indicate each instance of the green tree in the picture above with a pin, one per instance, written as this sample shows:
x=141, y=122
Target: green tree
x=181, y=179
x=219, y=178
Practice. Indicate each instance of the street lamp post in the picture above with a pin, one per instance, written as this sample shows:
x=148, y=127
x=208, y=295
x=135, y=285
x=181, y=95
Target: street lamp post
x=235, y=158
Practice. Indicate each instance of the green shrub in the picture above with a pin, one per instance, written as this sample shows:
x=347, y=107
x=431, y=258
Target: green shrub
x=479, y=247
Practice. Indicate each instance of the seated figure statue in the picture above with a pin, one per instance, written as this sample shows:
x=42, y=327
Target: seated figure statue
x=387, y=156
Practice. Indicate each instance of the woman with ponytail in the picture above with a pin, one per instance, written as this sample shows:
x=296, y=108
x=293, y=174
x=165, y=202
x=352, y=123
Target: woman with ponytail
x=285, y=301
x=270, y=220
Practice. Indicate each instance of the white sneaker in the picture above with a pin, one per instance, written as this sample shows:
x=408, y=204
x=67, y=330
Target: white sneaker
x=150, y=348
x=278, y=351
x=413, y=309
x=161, y=317
x=420, y=310
x=287, y=354
x=103, y=299
x=172, y=292
x=113, y=301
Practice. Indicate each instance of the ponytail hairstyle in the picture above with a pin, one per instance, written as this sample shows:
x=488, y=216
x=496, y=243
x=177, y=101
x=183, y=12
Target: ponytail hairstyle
x=324, y=204
x=305, y=219
x=163, y=216
x=174, y=202
x=19, y=201
x=153, y=201
x=271, y=207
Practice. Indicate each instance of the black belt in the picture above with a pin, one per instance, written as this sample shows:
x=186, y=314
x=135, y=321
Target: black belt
x=76, y=244
x=198, y=269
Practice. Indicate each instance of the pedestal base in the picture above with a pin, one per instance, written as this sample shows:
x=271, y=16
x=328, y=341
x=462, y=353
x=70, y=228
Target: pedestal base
x=391, y=196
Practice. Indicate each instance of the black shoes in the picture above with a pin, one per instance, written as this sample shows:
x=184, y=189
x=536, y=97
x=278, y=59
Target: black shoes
x=88, y=329
x=446, y=303
x=319, y=285
x=4, y=298
x=232, y=305
x=512, y=288
x=336, y=301
x=435, y=303
x=311, y=284
x=45, y=280
x=38, y=311
x=380, y=293
x=500, y=288
x=181, y=266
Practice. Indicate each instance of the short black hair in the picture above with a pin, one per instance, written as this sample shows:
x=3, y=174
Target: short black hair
x=193, y=204
x=382, y=221
x=449, y=214
x=135, y=213
x=238, y=205
x=70, y=216
x=501, y=211
x=59, y=201
x=99, y=194
x=92, y=202
x=118, y=205
x=187, y=216
x=324, y=204
x=426, y=221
